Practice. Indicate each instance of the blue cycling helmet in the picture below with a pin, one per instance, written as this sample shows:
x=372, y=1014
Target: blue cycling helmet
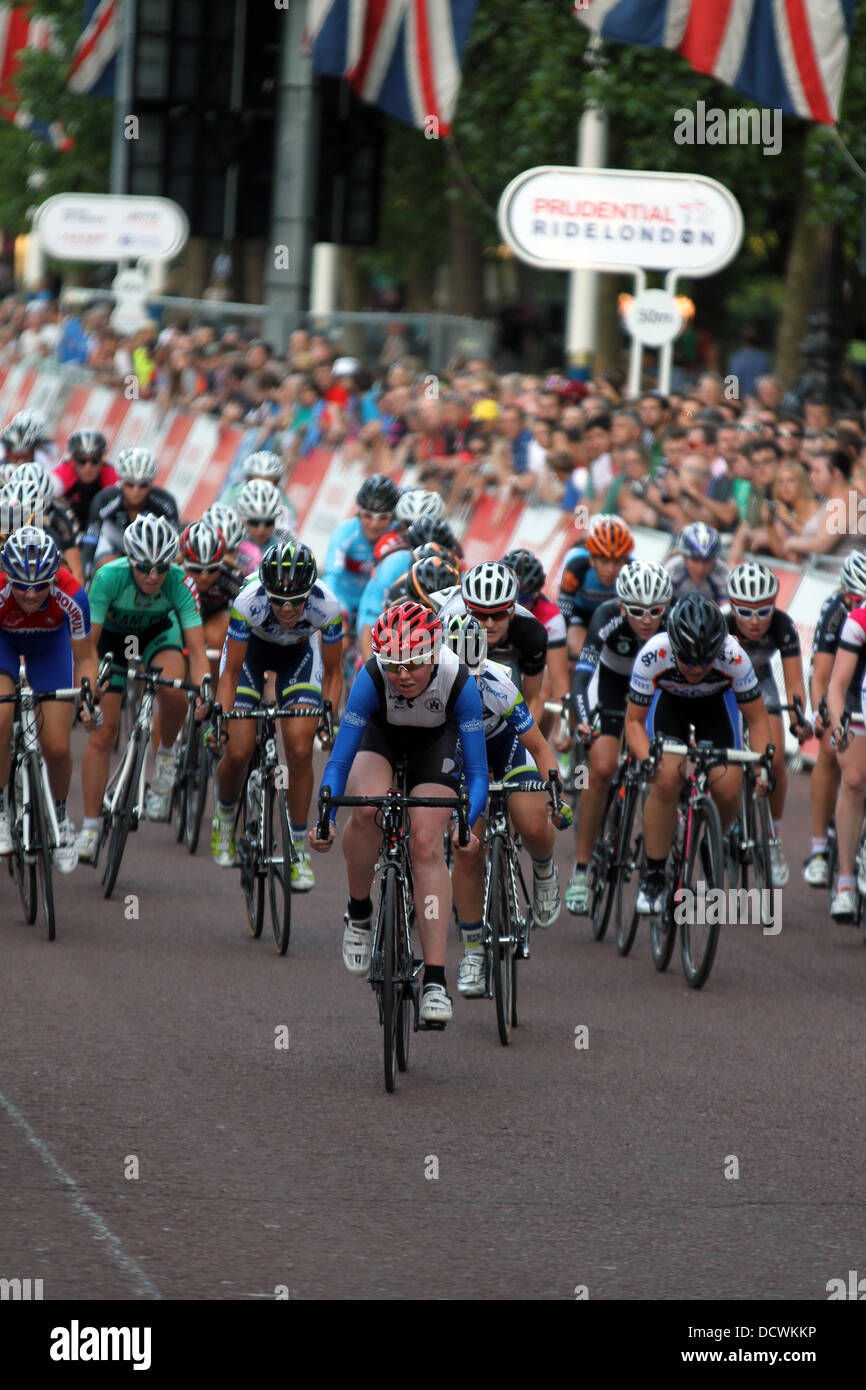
x=30, y=556
x=700, y=541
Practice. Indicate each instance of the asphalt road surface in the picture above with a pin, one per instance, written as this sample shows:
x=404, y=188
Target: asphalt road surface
x=703, y=1145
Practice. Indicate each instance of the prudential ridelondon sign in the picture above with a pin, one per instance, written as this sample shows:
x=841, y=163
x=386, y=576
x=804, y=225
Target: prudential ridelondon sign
x=561, y=218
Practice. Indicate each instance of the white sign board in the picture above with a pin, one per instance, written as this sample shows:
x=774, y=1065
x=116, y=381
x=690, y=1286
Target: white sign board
x=110, y=227
x=561, y=218
x=653, y=318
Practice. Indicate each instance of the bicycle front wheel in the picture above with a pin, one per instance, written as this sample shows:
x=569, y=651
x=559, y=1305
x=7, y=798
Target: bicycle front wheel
x=628, y=868
x=197, y=795
x=391, y=988
x=600, y=866
x=705, y=864
x=25, y=866
x=278, y=857
x=42, y=850
x=252, y=881
x=123, y=815
x=761, y=832
x=501, y=939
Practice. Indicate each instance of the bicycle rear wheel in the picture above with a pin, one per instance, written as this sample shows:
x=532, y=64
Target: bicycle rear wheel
x=181, y=789
x=391, y=987
x=628, y=868
x=663, y=929
x=699, y=940
x=601, y=882
x=252, y=882
x=761, y=832
x=25, y=869
x=123, y=816
x=502, y=939
x=278, y=846
x=404, y=963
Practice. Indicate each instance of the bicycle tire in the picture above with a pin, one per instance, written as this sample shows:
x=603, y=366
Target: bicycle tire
x=252, y=882
x=600, y=878
x=123, y=818
x=761, y=830
x=405, y=960
x=390, y=986
x=279, y=838
x=629, y=862
x=500, y=928
x=25, y=871
x=663, y=929
x=43, y=858
x=197, y=799
x=698, y=941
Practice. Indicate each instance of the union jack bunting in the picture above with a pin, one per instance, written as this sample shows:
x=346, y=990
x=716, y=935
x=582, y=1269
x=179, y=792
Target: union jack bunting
x=17, y=32
x=403, y=56
x=93, y=62
x=785, y=54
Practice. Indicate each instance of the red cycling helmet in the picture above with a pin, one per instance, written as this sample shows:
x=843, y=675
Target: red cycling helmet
x=407, y=633
x=387, y=544
x=202, y=545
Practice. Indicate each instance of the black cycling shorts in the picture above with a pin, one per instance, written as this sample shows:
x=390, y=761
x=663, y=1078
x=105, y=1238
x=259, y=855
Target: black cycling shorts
x=428, y=759
x=716, y=718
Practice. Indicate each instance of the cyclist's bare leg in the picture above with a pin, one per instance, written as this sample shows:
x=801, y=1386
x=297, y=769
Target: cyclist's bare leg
x=236, y=754
x=529, y=812
x=171, y=704
x=780, y=771
x=823, y=787
x=430, y=872
x=96, y=759
x=849, y=806
x=7, y=714
x=57, y=717
x=371, y=775
x=726, y=787
x=661, y=806
x=298, y=738
x=215, y=629
x=467, y=881
x=603, y=758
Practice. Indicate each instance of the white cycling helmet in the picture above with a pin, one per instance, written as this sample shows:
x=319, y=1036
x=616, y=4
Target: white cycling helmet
x=259, y=501
x=135, y=466
x=226, y=519
x=752, y=583
x=852, y=577
x=21, y=504
x=644, y=584
x=490, y=585
x=151, y=540
x=264, y=464
x=417, y=502
x=38, y=474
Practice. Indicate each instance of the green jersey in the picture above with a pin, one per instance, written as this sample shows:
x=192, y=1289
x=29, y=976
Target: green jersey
x=117, y=602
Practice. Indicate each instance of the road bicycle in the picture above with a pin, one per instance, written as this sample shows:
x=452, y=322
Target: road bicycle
x=123, y=801
x=507, y=911
x=32, y=815
x=394, y=970
x=262, y=833
x=696, y=856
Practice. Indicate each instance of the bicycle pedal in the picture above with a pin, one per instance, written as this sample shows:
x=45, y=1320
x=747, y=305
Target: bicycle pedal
x=431, y=1027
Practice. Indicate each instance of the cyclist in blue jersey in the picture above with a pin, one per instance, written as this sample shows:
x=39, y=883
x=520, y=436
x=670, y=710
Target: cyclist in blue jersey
x=589, y=575
x=413, y=699
x=349, y=560
x=423, y=529
x=697, y=567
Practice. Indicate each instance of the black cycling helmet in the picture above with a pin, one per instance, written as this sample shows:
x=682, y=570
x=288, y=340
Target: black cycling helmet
x=696, y=630
x=427, y=577
x=431, y=528
x=528, y=568
x=288, y=570
x=86, y=445
x=378, y=493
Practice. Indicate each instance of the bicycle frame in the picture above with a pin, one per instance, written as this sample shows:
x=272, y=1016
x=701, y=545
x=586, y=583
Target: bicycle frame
x=26, y=752
x=117, y=781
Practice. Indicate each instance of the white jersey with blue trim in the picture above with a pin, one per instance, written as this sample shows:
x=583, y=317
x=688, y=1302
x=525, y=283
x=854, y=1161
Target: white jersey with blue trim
x=252, y=614
x=502, y=701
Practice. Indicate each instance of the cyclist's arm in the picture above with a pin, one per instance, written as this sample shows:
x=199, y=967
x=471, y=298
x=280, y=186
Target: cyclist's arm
x=533, y=696
x=538, y=749
x=757, y=722
x=365, y=642
x=792, y=669
x=332, y=668
x=84, y=658
x=843, y=671
x=636, y=735
x=362, y=702
x=470, y=721
x=822, y=666
x=199, y=666
x=235, y=650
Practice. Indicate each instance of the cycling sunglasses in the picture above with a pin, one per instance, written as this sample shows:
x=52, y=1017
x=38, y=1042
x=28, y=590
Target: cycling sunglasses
x=634, y=611
x=414, y=663
x=152, y=569
x=261, y=521
x=763, y=612
x=201, y=569
x=376, y=516
x=31, y=588
x=489, y=612
x=296, y=601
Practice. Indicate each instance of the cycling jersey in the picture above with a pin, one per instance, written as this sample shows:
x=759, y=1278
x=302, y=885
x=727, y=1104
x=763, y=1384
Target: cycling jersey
x=349, y=564
x=78, y=495
x=250, y=554
x=66, y=606
x=223, y=592
x=548, y=614
x=450, y=703
x=606, y=660
x=580, y=589
x=504, y=706
x=715, y=586
x=782, y=637
x=831, y=620
x=108, y=519
x=655, y=669
x=853, y=639
x=120, y=606
x=387, y=572
x=252, y=615
x=523, y=649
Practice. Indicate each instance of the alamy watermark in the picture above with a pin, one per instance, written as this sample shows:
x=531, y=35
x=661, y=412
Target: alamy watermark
x=710, y=907
x=736, y=126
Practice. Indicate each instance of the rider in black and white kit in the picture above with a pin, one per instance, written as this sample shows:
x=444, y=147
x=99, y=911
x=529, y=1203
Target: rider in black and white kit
x=115, y=507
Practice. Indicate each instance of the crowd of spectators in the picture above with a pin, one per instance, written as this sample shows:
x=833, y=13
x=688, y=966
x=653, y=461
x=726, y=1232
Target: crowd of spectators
x=727, y=451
